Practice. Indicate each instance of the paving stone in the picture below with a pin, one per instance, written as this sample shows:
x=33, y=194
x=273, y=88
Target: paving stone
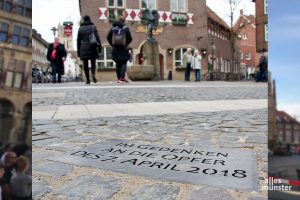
x=42, y=155
x=53, y=169
x=256, y=198
x=63, y=146
x=210, y=193
x=43, y=143
x=257, y=139
x=63, y=134
x=40, y=188
x=89, y=187
x=128, y=156
x=157, y=192
x=86, y=138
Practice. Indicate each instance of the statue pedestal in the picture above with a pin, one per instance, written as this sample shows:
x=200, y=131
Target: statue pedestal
x=140, y=72
x=151, y=52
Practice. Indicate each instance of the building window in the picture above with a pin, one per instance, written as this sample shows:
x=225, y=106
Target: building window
x=115, y=9
x=21, y=36
x=241, y=52
x=265, y=7
x=15, y=73
x=105, y=60
x=178, y=57
x=178, y=8
x=248, y=56
x=266, y=32
x=24, y=7
x=148, y=4
x=6, y=5
x=1, y=67
x=245, y=36
x=3, y=31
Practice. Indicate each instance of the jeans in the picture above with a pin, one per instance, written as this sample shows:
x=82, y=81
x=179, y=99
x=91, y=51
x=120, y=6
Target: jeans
x=54, y=72
x=121, y=69
x=197, y=74
x=187, y=72
x=87, y=70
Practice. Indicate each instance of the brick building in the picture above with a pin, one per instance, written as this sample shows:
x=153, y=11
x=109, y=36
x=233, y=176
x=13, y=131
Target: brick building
x=247, y=43
x=15, y=71
x=39, y=51
x=261, y=9
x=288, y=129
x=182, y=24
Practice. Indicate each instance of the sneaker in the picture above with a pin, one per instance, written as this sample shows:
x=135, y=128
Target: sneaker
x=88, y=82
x=124, y=80
x=120, y=81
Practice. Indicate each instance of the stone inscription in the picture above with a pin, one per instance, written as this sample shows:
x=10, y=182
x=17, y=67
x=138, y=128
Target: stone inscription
x=227, y=168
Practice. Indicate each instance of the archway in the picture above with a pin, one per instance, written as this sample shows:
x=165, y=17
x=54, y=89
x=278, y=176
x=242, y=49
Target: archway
x=6, y=119
x=139, y=58
x=26, y=124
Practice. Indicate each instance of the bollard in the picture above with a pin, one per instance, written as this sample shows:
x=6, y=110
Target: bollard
x=170, y=76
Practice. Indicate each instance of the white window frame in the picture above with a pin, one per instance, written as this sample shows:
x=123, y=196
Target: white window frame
x=177, y=10
x=266, y=32
x=245, y=36
x=241, y=52
x=105, y=60
x=155, y=4
x=265, y=7
x=181, y=56
x=248, y=56
x=115, y=4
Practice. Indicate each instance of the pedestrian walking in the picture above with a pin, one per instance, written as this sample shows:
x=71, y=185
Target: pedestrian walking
x=196, y=65
x=186, y=62
x=119, y=37
x=263, y=69
x=88, y=47
x=57, y=55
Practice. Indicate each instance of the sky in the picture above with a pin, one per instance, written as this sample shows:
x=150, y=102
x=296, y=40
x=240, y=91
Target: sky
x=284, y=53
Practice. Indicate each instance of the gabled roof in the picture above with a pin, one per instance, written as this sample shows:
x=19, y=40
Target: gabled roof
x=211, y=14
x=282, y=116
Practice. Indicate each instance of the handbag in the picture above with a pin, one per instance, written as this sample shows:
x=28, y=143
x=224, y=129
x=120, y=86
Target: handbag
x=92, y=38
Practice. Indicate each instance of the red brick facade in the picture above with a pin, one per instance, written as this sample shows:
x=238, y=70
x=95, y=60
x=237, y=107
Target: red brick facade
x=170, y=38
x=247, y=43
x=261, y=25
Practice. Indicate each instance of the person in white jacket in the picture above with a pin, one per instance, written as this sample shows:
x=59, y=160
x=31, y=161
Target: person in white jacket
x=196, y=65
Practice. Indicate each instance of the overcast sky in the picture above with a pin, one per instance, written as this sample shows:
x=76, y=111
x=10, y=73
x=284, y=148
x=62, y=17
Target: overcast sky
x=47, y=14
x=284, y=48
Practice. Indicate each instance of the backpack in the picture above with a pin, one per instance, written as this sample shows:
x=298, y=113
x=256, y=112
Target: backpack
x=119, y=36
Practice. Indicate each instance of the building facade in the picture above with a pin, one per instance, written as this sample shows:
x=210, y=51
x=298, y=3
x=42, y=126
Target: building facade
x=249, y=58
x=72, y=63
x=261, y=9
x=182, y=24
x=288, y=129
x=39, y=51
x=15, y=71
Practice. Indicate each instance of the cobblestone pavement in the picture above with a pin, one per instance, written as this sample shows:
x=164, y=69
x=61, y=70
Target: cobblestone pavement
x=239, y=129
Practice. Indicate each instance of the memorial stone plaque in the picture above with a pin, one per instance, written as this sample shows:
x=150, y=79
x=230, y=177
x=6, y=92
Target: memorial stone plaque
x=226, y=168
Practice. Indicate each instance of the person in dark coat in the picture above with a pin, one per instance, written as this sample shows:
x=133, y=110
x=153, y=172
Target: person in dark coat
x=57, y=55
x=86, y=51
x=120, y=54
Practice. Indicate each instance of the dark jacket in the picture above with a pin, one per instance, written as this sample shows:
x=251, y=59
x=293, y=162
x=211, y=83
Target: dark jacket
x=60, y=53
x=84, y=50
x=120, y=53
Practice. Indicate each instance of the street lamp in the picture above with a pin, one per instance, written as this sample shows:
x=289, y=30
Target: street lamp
x=54, y=29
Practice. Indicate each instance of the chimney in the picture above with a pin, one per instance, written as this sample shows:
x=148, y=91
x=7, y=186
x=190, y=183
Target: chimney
x=241, y=12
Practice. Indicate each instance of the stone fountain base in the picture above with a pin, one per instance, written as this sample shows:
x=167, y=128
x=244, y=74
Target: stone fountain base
x=140, y=72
